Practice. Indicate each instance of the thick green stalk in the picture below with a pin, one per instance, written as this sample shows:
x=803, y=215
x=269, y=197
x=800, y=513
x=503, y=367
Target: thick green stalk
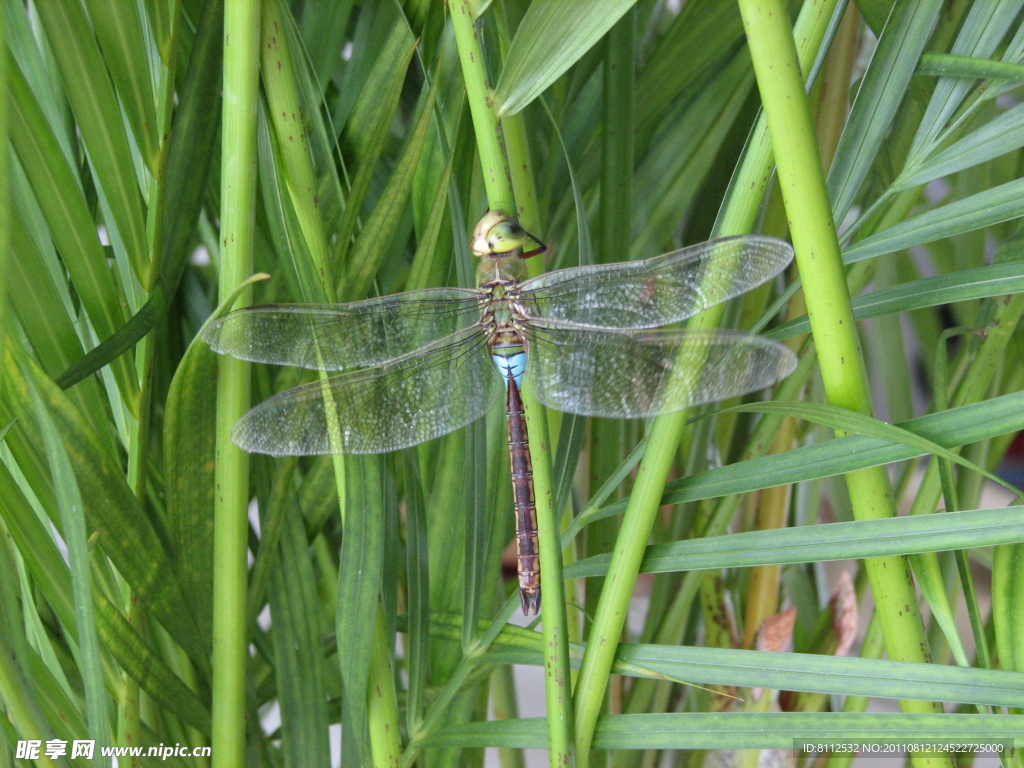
x=381, y=702
x=832, y=93
x=543, y=427
x=138, y=454
x=740, y=213
x=238, y=196
x=617, y=159
x=503, y=705
x=287, y=117
x=318, y=281
x=622, y=572
x=489, y=140
x=500, y=196
x=557, y=682
x=828, y=304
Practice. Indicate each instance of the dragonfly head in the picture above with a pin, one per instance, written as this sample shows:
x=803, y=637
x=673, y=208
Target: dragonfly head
x=497, y=234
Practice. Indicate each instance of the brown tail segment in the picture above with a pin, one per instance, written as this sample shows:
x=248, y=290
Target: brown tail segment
x=523, y=497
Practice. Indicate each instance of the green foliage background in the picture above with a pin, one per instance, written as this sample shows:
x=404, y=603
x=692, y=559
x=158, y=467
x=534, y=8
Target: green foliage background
x=629, y=128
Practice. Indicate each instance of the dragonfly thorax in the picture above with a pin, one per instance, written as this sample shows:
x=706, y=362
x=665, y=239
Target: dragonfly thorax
x=499, y=277
x=496, y=271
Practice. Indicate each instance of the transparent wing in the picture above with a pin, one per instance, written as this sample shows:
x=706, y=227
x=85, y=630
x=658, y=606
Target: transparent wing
x=336, y=337
x=658, y=291
x=630, y=374
x=410, y=400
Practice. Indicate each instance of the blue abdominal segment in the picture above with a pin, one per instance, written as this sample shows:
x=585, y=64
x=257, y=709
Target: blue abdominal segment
x=511, y=367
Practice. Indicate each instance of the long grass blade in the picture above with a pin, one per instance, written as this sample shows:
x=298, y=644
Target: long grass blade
x=69, y=498
x=981, y=283
x=120, y=526
x=982, y=30
x=768, y=730
x=833, y=541
x=882, y=89
x=820, y=673
x=190, y=156
x=359, y=576
x=66, y=210
x=553, y=35
x=952, y=428
x=298, y=650
x=98, y=116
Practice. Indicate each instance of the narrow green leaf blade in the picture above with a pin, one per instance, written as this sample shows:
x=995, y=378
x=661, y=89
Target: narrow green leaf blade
x=948, y=65
x=122, y=528
x=98, y=116
x=189, y=448
x=832, y=541
x=882, y=89
x=119, y=32
x=552, y=36
x=69, y=497
x=66, y=210
x=810, y=672
x=359, y=575
x=382, y=223
x=738, y=730
x=952, y=428
x=991, y=206
x=298, y=649
x=981, y=283
x=981, y=31
x=190, y=156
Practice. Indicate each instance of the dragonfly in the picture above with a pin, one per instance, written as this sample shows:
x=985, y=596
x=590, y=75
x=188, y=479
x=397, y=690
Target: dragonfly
x=589, y=340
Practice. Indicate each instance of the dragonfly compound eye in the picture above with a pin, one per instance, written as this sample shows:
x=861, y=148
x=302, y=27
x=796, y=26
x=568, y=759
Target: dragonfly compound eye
x=497, y=233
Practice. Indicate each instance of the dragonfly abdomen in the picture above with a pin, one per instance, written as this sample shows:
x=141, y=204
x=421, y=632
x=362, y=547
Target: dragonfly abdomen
x=511, y=366
x=511, y=361
x=527, y=546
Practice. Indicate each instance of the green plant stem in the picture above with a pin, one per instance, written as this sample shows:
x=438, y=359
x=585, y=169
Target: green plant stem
x=138, y=454
x=503, y=704
x=557, y=682
x=489, y=140
x=300, y=180
x=617, y=162
x=652, y=473
x=746, y=193
x=828, y=304
x=543, y=427
x=381, y=702
x=495, y=161
x=286, y=116
x=557, y=678
x=238, y=197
